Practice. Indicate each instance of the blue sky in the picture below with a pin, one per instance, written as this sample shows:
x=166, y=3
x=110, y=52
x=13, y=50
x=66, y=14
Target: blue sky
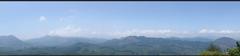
x=115, y=19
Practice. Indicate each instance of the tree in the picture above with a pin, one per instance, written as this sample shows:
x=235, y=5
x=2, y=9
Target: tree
x=235, y=51
x=212, y=50
x=213, y=47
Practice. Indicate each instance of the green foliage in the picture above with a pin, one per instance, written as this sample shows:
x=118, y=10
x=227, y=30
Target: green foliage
x=209, y=53
x=235, y=51
x=212, y=50
x=238, y=45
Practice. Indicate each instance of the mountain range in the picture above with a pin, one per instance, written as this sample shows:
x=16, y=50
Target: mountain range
x=130, y=45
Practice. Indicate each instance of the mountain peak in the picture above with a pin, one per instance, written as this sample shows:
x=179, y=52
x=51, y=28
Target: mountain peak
x=134, y=37
x=10, y=41
x=8, y=37
x=225, y=42
x=225, y=38
x=51, y=36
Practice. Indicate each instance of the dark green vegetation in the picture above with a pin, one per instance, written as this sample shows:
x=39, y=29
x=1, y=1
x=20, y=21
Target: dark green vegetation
x=215, y=50
x=234, y=51
x=212, y=50
x=131, y=45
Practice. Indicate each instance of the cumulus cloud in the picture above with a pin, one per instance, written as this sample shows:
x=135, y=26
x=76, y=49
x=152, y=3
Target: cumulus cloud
x=66, y=31
x=42, y=18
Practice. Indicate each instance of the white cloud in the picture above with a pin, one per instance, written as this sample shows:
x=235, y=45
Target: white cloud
x=204, y=31
x=227, y=31
x=150, y=32
x=42, y=18
x=76, y=31
x=207, y=31
x=169, y=33
x=66, y=31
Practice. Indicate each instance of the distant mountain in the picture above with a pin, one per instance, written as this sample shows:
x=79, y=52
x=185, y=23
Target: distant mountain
x=146, y=45
x=10, y=42
x=56, y=50
x=225, y=42
x=49, y=41
x=202, y=39
x=130, y=45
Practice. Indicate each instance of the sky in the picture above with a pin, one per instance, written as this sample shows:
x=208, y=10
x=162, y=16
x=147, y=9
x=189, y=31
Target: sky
x=28, y=20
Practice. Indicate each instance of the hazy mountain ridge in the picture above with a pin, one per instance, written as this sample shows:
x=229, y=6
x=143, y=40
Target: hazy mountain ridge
x=130, y=45
x=158, y=45
x=51, y=41
x=11, y=42
x=225, y=43
x=202, y=39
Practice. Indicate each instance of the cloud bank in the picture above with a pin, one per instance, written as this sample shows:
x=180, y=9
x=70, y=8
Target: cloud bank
x=76, y=31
